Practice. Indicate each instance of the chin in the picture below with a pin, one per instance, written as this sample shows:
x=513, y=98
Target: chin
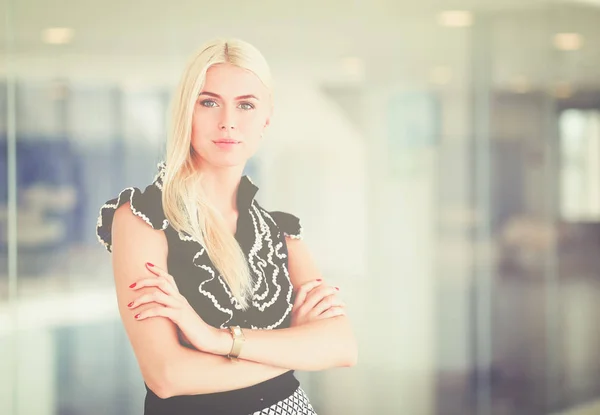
x=228, y=162
x=222, y=160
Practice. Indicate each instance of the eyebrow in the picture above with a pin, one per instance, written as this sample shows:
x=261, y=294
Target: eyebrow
x=212, y=94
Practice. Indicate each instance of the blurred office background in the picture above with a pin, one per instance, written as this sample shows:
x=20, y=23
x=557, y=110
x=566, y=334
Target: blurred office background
x=444, y=157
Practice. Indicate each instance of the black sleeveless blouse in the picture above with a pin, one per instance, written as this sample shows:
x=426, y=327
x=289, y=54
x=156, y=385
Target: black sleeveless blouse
x=261, y=235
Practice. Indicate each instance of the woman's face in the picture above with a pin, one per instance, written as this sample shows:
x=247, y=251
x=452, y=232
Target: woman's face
x=230, y=114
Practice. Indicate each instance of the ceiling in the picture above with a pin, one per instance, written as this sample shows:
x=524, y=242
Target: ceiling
x=396, y=40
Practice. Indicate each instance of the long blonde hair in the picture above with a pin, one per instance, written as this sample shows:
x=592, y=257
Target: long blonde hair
x=184, y=201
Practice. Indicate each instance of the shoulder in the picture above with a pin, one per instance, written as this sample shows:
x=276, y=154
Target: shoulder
x=129, y=204
x=302, y=266
x=289, y=224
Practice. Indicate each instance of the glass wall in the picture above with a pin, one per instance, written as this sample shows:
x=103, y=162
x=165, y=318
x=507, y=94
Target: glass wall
x=445, y=164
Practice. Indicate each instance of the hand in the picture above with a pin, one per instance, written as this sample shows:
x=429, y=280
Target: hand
x=316, y=301
x=172, y=305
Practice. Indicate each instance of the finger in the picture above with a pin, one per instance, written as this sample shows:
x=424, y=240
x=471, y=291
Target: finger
x=332, y=312
x=160, y=283
x=312, y=298
x=156, y=297
x=326, y=303
x=304, y=290
x=156, y=312
x=161, y=273
x=318, y=294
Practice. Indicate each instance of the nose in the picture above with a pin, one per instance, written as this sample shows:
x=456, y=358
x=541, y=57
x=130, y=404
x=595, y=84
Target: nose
x=226, y=126
x=227, y=122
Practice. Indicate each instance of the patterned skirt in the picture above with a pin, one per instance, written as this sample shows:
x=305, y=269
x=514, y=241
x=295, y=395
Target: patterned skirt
x=295, y=404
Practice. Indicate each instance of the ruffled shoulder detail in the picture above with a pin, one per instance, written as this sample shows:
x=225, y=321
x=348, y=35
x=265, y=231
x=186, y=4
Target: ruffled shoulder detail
x=288, y=224
x=147, y=205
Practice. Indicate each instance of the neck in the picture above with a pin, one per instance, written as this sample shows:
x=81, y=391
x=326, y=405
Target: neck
x=221, y=188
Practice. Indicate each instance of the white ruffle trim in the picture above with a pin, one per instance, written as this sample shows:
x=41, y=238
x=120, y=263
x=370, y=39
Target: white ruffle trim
x=123, y=194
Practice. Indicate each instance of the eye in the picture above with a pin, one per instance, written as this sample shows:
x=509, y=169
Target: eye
x=208, y=103
x=247, y=106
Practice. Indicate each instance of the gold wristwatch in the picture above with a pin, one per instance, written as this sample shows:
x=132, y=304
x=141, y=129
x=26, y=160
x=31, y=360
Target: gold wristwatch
x=238, y=342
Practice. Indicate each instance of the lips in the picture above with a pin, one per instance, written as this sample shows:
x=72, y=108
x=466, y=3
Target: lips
x=226, y=141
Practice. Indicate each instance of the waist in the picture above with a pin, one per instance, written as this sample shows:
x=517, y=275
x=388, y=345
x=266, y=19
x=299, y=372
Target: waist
x=239, y=401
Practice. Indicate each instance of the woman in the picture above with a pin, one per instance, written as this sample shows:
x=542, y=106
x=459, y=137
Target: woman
x=219, y=297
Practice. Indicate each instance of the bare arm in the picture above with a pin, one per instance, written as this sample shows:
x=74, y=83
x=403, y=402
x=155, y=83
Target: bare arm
x=313, y=346
x=195, y=372
x=167, y=367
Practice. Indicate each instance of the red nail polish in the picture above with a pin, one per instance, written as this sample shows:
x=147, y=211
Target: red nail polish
x=337, y=288
x=319, y=280
x=136, y=316
x=130, y=304
x=149, y=264
x=132, y=285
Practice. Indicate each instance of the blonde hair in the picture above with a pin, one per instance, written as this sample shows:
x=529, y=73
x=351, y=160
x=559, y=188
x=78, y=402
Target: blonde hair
x=184, y=201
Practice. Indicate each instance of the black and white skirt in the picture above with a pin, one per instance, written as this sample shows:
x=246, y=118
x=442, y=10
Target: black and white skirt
x=296, y=404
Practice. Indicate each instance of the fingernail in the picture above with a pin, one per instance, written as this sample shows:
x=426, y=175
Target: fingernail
x=149, y=264
x=319, y=280
x=130, y=304
x=132, y=285
x=136, y=316
x=337, y=288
